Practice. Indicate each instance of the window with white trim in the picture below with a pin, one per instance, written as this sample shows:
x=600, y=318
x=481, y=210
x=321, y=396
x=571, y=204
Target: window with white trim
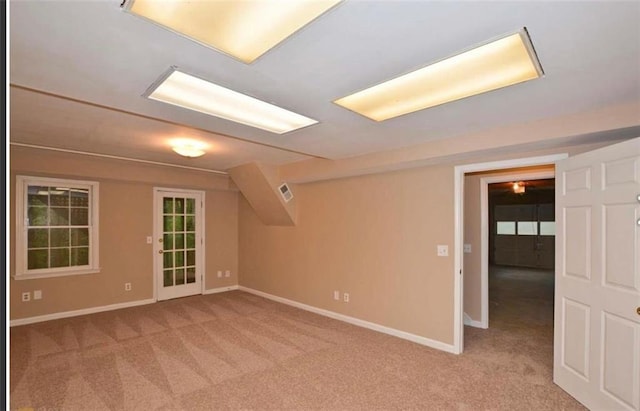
x=57, y=227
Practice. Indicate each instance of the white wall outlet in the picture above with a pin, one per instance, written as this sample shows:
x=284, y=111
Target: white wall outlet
x=443, y=250
x=149, y=239
x=467, y=248
x=227, y=273
x=37, y=294
x=336, y=295
x=127, y=286
x=345, y=297
x=219, y=274
x=26, y=296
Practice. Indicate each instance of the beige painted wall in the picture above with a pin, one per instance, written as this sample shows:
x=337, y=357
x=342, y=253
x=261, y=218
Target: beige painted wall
x=126, y=219
x=374, y=237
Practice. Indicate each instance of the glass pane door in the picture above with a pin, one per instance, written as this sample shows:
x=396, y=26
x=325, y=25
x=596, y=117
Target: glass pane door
x=180, y=244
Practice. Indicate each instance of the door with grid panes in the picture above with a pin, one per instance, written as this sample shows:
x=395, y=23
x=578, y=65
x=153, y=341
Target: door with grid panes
x=179, y=243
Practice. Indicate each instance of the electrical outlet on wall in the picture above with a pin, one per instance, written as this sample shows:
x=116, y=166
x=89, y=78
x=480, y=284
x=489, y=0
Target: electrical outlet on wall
x=127, y=286
x=26, y=296
x=467, y=248
x=345, y=297
x=443, y=250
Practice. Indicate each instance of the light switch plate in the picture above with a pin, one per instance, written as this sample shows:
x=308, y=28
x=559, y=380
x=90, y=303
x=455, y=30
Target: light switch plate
x=443, y=250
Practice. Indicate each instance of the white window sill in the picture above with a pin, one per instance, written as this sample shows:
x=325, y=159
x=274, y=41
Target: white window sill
x=33, y=276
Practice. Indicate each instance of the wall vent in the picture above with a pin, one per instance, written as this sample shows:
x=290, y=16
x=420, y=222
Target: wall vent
x=286, y=193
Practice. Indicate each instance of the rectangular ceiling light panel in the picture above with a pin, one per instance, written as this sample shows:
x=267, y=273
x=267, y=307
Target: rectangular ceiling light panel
x=504, y=62
x=244, y=29
x=193, y=93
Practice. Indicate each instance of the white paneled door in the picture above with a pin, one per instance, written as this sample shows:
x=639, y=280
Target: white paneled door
x=597, y=297
x=179, y=243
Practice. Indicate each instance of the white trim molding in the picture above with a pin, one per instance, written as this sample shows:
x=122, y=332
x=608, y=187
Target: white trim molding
x=75, y=313
x=439, y=345
x=220, y=290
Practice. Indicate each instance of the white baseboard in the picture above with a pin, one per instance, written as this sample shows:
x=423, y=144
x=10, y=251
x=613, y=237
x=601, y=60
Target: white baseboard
x=75, y=313
x=356, y=321
x=473, y=323
x=220, y=289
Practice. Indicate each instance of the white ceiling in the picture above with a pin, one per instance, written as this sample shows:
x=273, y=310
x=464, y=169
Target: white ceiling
x=90, y=63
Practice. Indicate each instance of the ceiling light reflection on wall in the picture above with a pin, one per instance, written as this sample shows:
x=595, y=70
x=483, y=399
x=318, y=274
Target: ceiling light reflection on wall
x=183, y=90
x=188, y=148
x=503, y=62
x=243, y=29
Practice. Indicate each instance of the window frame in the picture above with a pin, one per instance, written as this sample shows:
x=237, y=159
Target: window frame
x=22, y=226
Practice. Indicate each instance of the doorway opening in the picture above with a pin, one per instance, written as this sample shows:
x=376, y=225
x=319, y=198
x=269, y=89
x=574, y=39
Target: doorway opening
x=464, y=249
x=521, y=238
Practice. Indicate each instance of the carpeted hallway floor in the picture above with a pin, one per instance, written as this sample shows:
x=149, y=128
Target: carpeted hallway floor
x=239, y=351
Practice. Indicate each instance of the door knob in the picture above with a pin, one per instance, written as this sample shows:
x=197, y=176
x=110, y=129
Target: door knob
x=160, y=251
x=638, y=310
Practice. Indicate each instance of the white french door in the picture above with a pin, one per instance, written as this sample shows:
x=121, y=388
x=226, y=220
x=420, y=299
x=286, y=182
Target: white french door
x=179, y=242
x=597, y=297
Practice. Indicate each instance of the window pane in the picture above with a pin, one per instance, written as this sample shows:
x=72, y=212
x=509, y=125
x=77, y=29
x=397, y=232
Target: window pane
x=59, y=257
x=79, y=216
x=168, y=278
x=80, y=256
x=38, y=216
x=191, y=206
x=167, y=240
x=179, y=206
x=59, y=229
x=191, y=275
x=58, y=216
x=59, y=237
x=58, y=198
x=167, y=205
x=191, y=240
x=179, y=223
x=168, y=224
x=191, y=223
x=547, y=228
x=38, y=237
x=191, y=258
x=168, y=260
x=38, y=196
x=179, y=242
x=180, y=276
x=179, y=258
x=38, y=259
x=506, y=227
x=79, y=236
x=527, y=228
x=79, y=197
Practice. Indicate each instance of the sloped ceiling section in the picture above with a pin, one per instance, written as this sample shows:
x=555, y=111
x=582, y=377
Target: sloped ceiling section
x=79, y=70
x=259, y=185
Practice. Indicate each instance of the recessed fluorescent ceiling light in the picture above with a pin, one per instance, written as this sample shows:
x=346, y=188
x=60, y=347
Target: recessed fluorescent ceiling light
x=504, y=62
x=184, y=90
x=241, y=28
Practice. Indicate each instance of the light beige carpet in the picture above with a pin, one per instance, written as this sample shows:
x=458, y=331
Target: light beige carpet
x=239, y=351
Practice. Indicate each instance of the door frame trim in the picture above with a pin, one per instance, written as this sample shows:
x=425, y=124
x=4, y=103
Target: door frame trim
x=458, y=236
x=484, y=232
x=156, y=193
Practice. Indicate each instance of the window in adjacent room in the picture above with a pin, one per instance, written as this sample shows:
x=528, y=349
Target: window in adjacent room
x=57, y=227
